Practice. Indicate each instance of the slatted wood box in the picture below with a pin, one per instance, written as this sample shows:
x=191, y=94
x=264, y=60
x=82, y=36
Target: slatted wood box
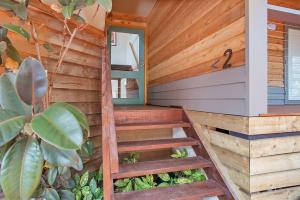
x=259, y=156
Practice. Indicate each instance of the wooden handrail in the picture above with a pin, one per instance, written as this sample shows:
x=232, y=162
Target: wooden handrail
x=109, y=140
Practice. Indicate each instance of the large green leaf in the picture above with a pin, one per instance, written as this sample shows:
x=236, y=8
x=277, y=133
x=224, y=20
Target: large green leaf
x=11, y=123
x=66, y=195
x=90, y=2
x=68, y=10
x=80, y=116
x=21, y=169
x=3, y=33
x=64, y=2
x=9, y=98
x=58, y=127
x=17, y=29
x=12, y=52
x=31, y=81
x=3, y=150
x=3, y=47
x=105, y=4
x=19, y=9
x=51, y=176
x=59, y=157
x=51, y=194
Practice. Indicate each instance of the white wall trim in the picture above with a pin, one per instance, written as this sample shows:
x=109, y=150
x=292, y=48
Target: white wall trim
x=256, y=57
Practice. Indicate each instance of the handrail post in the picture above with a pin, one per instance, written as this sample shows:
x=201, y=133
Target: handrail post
x=109, y=141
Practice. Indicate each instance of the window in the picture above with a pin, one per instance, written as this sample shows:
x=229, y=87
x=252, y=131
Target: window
x=293, y=65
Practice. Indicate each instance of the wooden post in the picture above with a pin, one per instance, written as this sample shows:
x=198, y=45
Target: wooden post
x=256, y=57
x=109, y=140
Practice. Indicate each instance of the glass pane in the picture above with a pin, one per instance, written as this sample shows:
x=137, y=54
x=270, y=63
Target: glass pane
x=293, y=64
x=124, y=51
x=125, y=88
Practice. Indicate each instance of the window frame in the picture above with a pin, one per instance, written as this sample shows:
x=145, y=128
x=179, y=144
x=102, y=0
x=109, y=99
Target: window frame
x=286, y=63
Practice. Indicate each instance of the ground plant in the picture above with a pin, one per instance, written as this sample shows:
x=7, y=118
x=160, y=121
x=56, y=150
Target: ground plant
x=158, y=180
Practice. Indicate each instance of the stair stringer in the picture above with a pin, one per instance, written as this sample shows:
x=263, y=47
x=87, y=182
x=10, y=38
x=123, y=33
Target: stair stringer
x=202, y=133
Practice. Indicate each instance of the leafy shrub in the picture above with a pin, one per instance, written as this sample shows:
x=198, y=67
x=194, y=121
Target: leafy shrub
x=158, y=180
x=88, y=186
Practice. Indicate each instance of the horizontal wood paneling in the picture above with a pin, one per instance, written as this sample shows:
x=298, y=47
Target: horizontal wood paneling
x=294, y=4
x=276, y=43
x=266, y=168
x=78, y=79
x=191, y=35
x=186, y=47
x=276, y=95
x=220, y=92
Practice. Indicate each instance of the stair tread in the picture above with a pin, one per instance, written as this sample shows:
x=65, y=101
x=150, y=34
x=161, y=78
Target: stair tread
x=153, y=125
x=193, y=191
x=161, y=166
x=132, y=146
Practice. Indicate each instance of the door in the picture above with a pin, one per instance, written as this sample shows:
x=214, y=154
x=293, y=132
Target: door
x=127, y=65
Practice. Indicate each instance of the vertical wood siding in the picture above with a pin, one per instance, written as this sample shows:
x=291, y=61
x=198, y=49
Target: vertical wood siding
x=78, y=80
x=185, y=39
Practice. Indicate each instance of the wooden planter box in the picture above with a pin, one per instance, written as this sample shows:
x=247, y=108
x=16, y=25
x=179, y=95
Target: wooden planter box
x=259, y=156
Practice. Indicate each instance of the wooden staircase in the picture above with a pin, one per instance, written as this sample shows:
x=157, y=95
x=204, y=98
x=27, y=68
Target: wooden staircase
x=149, y=117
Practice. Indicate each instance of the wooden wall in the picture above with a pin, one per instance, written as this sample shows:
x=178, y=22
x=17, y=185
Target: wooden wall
x=276, y=62
x=186, y=38
x=255, y=153
x=276, y=43
x=294, y=4
x=276, y=48
x=78, y=80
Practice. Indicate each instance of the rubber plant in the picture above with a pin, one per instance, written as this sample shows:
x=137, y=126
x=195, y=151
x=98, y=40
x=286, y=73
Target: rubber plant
x=32, y=139
x=70, y=10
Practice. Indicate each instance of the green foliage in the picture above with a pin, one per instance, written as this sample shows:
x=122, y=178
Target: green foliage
x=61, y=157
x=132, y=158
x=19, y=8
x=17, y=29
x=7, y=47
x=29, y=139
x=21, y=169
x=9, y=99
x=180, y=153
x=58, y=121
x=158, y=180
x=105, y=4
x=31, y=74
x=88, y=186
x=10, y=125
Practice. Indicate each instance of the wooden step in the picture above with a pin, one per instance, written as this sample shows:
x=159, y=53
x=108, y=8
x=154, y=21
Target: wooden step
x=146, y=126
x=160, y=166
x=146, y=145
x=146, y=114
x=194, y=191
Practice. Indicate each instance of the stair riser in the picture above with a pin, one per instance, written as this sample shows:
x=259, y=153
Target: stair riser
x=154, y=147
x=148, y=116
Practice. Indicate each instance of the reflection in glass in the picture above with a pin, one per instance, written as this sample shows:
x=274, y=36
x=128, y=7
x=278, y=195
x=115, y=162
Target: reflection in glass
x=125, y=88
x=124, y=51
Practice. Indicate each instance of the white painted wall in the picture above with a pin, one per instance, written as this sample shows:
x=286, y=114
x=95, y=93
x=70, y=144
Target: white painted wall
x=121, y=54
